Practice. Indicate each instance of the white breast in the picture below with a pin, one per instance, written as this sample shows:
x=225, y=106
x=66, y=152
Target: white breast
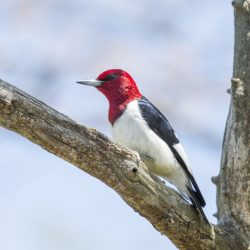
x=132, y=131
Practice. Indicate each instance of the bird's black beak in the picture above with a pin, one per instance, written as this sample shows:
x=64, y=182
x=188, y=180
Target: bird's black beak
x=94, y=83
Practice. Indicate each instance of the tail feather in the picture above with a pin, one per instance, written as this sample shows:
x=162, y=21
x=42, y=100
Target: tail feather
x=196, y=192
x=195, y=199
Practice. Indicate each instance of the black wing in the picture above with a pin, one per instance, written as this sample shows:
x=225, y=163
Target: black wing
x=161, y=126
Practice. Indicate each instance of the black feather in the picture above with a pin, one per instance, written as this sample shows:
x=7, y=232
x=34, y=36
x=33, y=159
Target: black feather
x=161, y=126
x=157, y=121
x=196, y=204
x=196, y=190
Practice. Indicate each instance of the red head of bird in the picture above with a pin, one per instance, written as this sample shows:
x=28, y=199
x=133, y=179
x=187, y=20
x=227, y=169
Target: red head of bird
x=118, y=87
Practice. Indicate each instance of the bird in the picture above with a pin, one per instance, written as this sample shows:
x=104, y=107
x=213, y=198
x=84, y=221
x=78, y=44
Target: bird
x=140, y=126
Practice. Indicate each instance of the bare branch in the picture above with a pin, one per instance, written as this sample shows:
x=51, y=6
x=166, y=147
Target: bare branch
x=113, y=164
x=233, y=193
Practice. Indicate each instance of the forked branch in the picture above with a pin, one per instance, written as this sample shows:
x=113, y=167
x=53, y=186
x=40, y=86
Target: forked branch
x=113, y=164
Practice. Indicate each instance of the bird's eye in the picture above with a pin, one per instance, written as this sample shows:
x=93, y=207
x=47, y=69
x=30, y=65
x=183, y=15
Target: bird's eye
x=109, y=77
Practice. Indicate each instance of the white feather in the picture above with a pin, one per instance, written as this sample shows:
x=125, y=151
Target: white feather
x=179, y=148
x=132, y=130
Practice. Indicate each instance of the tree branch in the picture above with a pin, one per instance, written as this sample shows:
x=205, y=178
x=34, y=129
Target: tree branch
x=113, y=164
x=233, y=193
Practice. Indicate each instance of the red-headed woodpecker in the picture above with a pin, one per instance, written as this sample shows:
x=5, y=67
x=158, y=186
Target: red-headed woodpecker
x=140, y=126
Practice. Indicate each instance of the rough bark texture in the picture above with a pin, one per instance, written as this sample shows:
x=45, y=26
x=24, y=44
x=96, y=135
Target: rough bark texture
x=233, y=184
x=114, y=164
x=120, y=169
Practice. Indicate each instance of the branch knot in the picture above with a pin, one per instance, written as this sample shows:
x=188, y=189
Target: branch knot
x=241, y=4
x=238, y=86
x=6, y=96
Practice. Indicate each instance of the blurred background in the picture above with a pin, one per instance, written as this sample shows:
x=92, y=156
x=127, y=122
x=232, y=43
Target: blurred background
x=180, y=54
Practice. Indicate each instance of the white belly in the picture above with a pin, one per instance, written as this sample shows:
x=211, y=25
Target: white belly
x=132, y=131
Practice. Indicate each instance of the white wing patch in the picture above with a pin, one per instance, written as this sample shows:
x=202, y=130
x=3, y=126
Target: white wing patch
x=179, y=148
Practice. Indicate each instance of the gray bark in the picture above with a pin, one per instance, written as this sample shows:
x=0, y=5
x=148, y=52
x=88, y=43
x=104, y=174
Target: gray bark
x=233, y=182
x=120, y=169
x=113, y=164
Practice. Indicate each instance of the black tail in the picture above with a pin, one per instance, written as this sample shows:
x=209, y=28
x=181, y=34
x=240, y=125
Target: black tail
x=195, y=194
x=198, y=203
x=195, y=191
